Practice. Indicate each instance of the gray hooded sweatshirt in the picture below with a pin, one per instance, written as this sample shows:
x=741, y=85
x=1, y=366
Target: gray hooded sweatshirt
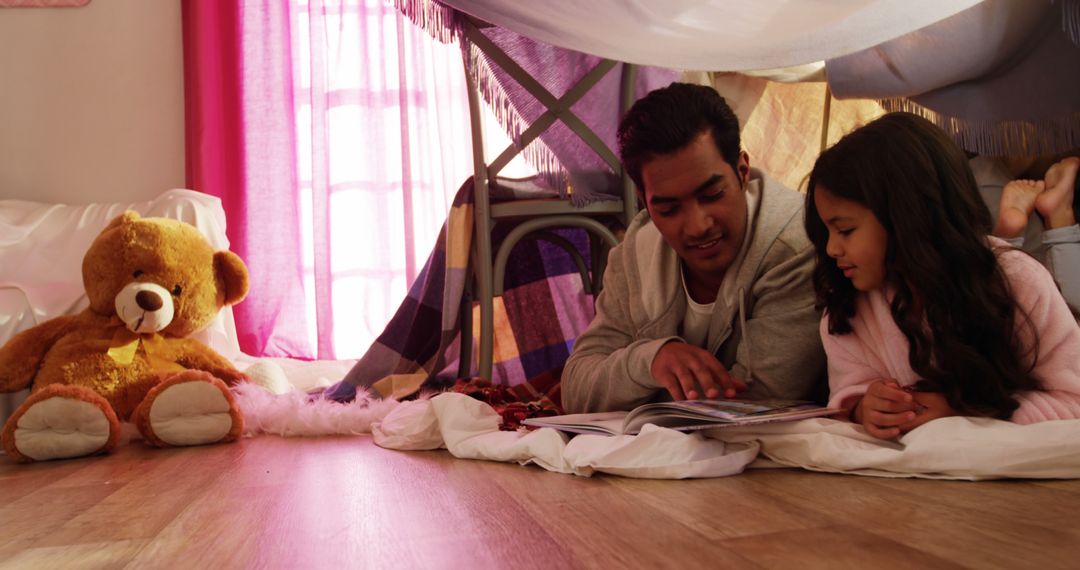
x=764, y=327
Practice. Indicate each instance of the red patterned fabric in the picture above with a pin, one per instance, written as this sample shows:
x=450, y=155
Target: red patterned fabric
x=537, y=397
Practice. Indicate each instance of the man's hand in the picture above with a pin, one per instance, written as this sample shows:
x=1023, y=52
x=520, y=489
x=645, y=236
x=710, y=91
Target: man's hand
x=688, y=373
x=886, y=409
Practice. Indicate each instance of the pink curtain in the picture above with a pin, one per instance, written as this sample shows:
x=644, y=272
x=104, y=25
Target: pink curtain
x=334, y=133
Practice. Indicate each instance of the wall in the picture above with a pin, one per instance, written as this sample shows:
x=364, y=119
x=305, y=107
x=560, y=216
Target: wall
x=91, y=101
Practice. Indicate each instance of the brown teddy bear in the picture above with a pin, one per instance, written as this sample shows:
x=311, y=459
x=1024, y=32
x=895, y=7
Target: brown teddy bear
x=151, y=283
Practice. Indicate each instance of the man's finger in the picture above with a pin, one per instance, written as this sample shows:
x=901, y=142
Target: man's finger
x=726, y=384
x=671, y=383
x=705, y=378
x=689, y=385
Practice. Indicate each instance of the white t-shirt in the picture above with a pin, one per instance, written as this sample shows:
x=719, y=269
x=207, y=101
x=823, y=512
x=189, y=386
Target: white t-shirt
x=695, y=326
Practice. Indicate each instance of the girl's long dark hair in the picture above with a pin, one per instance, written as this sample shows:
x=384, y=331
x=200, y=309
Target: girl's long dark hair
x=952, y=301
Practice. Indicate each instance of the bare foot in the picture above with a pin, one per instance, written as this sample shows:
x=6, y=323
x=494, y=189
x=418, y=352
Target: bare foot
x=1055, y=205
x=1017, y=202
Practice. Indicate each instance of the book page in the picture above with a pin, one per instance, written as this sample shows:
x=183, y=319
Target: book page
x=686, y=415
x=698, y=414
x=602, y=423
x=717, y=409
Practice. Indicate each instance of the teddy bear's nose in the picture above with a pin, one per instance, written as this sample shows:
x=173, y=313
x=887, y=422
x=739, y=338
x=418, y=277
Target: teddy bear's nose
x=148, y=300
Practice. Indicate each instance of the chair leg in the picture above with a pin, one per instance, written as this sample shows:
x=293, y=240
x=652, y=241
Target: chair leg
x=466, y=343
x=484, y=279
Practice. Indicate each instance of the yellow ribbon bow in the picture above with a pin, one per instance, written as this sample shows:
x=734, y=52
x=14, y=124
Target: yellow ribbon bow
x=125, y=344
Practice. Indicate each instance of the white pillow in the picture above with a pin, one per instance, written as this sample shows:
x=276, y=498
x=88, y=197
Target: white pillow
x=42, y=247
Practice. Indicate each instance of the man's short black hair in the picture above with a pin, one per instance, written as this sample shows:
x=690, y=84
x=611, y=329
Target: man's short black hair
x=670, y=118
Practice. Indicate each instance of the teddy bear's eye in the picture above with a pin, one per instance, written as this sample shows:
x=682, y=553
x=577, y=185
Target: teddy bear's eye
x=177, y=290
x=137, y=274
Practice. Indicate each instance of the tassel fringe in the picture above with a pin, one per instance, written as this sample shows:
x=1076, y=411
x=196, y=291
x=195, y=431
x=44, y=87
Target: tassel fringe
x=537, y=154
x=1004, y=138
x=445, y=25
x=441, y=22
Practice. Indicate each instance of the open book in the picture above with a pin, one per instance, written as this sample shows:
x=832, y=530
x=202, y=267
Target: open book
x=686, y=415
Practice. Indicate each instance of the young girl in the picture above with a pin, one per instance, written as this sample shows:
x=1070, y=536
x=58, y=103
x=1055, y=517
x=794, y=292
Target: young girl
x=926, y=315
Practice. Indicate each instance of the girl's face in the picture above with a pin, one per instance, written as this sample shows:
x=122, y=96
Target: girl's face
x=857, y=240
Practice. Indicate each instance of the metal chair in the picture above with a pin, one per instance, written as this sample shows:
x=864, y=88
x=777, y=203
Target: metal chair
x=534, y=217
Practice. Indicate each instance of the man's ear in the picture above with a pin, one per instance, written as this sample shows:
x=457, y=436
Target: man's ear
x=641, y=200
x=744, y=168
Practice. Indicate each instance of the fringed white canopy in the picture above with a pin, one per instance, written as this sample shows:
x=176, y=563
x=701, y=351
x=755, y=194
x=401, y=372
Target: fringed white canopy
x=999, y=75
x=713, y=35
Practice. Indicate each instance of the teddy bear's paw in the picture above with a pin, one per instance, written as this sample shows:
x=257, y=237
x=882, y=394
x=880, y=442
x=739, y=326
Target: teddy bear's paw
x=189, y=408
x=61, y=422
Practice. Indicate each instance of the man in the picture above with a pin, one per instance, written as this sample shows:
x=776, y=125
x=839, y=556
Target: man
x=709, y=295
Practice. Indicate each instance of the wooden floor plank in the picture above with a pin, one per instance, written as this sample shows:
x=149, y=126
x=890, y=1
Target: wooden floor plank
x=87, y=556
x=344, y=502
x=366, y=510
x=31, y=520
x=912, y=513
x=168, y=484
x=725, y=508
x=1016, y=501
x=833, y=547
x=18, y=480
x=603, y=526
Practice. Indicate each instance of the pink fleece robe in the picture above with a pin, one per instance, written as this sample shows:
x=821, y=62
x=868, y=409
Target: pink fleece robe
x=877, y=349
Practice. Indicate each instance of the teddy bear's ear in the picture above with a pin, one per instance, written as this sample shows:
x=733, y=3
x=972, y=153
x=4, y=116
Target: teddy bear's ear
x=125, y=218
x=233, y=273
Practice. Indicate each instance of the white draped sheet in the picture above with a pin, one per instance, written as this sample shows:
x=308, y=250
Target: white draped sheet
x=718, y=35
x=947, y=448
x=994, y=74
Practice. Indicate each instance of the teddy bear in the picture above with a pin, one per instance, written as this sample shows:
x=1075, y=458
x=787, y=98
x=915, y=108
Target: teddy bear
x=151, y=283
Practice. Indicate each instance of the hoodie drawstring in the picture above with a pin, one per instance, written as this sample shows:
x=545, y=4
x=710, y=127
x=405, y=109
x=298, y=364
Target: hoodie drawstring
x=746, y=336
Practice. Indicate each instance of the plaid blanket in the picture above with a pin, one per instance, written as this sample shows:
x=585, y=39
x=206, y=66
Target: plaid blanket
x=541, y=311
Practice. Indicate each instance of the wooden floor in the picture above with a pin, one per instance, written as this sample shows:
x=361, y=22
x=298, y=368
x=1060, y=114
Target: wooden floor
x=343, y=502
